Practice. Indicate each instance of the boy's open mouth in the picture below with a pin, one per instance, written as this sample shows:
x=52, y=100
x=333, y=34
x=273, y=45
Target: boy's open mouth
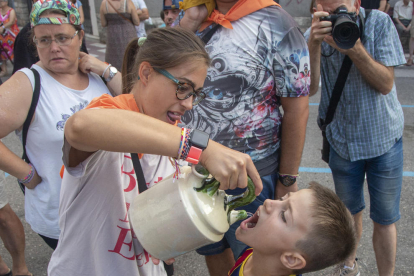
x=252, y=221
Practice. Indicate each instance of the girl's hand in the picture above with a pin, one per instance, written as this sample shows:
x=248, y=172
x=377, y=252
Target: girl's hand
x=230, y=167
x=158, y=261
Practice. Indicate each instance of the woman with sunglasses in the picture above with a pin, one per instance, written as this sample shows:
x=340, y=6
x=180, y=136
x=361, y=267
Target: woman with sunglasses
x=64, y=90
x=163, y=78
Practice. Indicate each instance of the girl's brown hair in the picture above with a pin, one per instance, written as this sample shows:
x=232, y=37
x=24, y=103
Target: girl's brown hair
x=164, y=48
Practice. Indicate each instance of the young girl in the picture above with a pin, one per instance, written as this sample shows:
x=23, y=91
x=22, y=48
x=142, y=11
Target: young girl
x=166, y=72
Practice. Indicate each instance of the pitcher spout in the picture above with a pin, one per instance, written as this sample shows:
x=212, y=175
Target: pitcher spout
x=236, y=215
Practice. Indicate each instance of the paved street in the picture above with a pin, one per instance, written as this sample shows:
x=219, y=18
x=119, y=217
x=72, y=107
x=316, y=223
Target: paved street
x=312, y=169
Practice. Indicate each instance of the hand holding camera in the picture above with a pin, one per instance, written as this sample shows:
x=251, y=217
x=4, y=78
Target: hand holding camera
x=320, y=29
x=343, y=29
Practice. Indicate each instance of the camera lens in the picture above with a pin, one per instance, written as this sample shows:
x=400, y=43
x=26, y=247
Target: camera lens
x=345, y=32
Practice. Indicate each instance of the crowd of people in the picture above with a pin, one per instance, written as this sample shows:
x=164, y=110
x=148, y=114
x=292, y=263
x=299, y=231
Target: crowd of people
x=230, y=69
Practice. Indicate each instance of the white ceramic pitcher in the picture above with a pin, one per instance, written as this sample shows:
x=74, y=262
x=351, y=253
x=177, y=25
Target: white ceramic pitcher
x=172, y=218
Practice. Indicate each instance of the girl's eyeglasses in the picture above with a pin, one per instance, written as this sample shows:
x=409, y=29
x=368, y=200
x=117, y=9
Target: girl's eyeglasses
x=184, y=90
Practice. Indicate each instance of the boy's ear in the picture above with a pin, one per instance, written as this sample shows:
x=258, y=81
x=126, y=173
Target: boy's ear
x=293, y=260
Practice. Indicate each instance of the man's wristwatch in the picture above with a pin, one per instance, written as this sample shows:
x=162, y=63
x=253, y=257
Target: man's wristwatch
x=198, y=142
x=287, y=180
x=112, y=72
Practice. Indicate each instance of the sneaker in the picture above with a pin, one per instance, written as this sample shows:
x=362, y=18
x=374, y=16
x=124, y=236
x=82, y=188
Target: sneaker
x=346, y=271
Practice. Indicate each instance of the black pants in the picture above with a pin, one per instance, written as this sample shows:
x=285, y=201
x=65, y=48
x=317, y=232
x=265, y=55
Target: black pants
x=49, y=241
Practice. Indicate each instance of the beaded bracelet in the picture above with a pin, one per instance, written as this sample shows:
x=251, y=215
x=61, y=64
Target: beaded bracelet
x=29, y=177
x=185, y=143
x=183, y=131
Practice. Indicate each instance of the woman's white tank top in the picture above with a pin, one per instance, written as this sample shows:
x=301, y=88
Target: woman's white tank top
x=44, y=145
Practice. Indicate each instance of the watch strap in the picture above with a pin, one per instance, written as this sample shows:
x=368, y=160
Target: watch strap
x=194, y=155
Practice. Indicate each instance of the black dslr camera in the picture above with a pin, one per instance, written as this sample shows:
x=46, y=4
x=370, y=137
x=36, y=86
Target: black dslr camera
x=345, y=31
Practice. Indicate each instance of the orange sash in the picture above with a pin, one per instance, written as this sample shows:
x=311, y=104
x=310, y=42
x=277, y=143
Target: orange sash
x=239, y=10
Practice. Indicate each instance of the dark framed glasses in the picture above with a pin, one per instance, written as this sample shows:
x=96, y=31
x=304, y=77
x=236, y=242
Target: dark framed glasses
x=184, y=90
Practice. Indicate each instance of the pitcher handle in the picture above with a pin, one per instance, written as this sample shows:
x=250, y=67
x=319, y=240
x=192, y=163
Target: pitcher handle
x=235, y=201
x=211, y=185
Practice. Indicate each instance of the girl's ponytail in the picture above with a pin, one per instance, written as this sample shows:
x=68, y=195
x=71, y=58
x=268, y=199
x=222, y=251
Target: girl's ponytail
x=128, y=78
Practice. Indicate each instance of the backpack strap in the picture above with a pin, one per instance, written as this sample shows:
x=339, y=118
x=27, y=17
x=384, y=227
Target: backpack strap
x=206, y=38
x=142, y=186
x=27, y=122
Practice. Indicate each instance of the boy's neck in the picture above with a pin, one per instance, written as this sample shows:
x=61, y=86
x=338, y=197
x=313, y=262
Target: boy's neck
x=264, y=265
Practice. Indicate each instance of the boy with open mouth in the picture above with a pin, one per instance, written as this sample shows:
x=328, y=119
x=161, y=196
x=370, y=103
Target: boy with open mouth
x=301, y=232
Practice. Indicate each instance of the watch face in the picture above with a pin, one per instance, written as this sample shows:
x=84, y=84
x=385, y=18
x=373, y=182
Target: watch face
x=199, y=139
x=287, y=180
x=113, y=70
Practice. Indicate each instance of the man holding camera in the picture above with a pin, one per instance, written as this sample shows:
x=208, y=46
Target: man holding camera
x=365, y=133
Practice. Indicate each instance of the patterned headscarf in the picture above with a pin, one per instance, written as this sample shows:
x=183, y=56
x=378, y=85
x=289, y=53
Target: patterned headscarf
x=72, y=14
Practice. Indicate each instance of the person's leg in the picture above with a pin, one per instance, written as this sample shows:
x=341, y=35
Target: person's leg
x=349, y=186
x=385, y=248
x=220, y=264
x=399, y=29
x=411, y=45
x=4, y=269
x=218, y=256
x=384, y=177
x=12, y=234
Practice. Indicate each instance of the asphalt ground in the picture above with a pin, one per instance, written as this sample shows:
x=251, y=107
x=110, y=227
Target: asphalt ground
x=312, y=169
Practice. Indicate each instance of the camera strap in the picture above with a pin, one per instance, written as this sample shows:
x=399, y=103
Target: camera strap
x=337, y=91
x=342, y=77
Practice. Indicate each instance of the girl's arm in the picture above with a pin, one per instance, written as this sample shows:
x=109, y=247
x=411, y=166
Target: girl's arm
x=126, y=131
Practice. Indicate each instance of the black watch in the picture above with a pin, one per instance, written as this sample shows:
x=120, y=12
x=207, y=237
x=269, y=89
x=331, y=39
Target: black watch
x=198, y=142
x=287, y=180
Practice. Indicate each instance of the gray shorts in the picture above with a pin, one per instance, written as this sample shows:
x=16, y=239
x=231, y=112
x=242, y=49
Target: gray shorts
x=3, y=195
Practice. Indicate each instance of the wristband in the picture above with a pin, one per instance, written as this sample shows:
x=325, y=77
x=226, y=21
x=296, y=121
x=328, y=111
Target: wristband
x=103, y=74
x=29, y=177
x=184, y=145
